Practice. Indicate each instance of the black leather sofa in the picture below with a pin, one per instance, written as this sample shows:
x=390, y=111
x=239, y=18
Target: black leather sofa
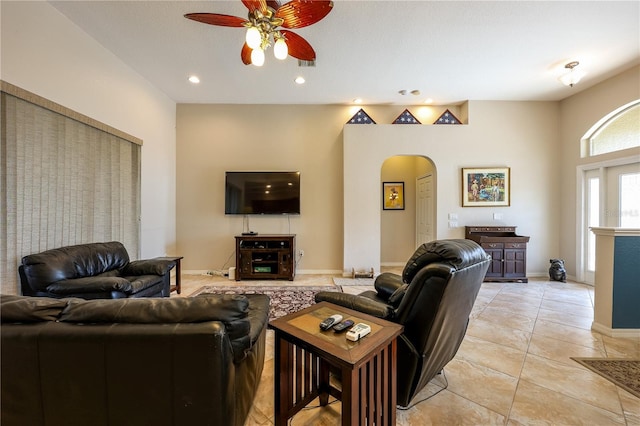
x=94, y=271
x=178, y=361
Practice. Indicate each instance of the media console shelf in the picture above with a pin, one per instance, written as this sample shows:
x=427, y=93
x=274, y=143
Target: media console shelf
x=508, y=251
x=260, y=257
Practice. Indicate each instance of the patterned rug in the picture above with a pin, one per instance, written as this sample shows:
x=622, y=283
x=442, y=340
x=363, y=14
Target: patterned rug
x=284, y=299
x=621, y=372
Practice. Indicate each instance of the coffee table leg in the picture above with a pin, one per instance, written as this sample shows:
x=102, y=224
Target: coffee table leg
x=283, y=379
x=324, y=384
x=350, y=397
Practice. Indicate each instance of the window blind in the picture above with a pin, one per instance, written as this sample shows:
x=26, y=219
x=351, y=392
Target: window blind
x=62, y=182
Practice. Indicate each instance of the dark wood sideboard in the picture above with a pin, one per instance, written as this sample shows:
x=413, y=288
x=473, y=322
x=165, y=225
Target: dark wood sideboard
x=260, y=257
x=508, y=251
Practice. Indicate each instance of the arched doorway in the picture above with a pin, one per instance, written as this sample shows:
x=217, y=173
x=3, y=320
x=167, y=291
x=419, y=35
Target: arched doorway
x=402, y=230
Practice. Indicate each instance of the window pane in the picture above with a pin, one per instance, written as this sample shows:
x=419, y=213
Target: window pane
x=621, y=132
x=630, y=200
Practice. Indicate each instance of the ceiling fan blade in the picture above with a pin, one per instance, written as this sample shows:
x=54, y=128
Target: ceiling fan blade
x=301, y=13
x=217, y=19
x=245, y=54
x=273, y=4
x=252, y=5
x=298, y=47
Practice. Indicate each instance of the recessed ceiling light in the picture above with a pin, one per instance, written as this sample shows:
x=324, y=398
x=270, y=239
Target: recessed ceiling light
x=299, y=80
x=194, y=79
x=357, y=101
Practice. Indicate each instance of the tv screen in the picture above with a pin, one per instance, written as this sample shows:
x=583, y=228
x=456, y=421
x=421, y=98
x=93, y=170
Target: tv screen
x=262, y=193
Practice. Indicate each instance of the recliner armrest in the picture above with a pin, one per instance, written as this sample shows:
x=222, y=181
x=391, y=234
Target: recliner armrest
x=387, y=283
x=357, y=303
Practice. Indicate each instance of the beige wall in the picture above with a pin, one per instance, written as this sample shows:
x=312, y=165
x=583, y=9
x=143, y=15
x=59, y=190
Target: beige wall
x=579, y=113
x=519, y=135
x=44, y=53
x=215, y=138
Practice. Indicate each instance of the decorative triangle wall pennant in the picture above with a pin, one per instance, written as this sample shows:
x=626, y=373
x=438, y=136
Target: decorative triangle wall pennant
x=447, y=118
x=406, y=118
x=361, y=117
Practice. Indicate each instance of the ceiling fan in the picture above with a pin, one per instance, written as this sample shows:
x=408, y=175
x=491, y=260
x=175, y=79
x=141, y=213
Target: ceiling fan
x=265, y=18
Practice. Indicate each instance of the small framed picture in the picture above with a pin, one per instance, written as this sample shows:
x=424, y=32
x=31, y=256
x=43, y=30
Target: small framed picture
x=392, y=195
x=486, y=187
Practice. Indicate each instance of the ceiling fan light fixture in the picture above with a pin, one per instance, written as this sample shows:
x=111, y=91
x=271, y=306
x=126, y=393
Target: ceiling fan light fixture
x=573, y=76
x=280, y=49
x=253, y=37
x=262, y=30
x=257, y=57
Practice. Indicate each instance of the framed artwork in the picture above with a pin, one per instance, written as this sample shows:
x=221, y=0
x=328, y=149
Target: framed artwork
x=392, y=195
x=486, y=187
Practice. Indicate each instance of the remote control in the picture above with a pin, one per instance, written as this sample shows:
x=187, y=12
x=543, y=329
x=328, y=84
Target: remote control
x=343, y=326
x=333, y=319
x=358, y=332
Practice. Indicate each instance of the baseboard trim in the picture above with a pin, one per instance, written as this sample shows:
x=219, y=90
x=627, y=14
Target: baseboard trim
x=298, y=272
x=318, y=272
x=615, y=332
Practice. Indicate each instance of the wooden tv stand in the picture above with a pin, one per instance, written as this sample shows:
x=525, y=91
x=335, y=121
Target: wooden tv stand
x=264, y=257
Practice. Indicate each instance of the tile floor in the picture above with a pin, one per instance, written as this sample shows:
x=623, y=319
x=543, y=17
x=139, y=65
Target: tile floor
x=513, y=367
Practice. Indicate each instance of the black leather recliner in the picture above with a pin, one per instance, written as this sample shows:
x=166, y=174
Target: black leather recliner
x=432, y=299
x=93, y=271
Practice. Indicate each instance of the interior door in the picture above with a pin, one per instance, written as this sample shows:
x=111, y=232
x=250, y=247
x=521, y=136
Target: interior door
x=424, y=209
x=612, y=199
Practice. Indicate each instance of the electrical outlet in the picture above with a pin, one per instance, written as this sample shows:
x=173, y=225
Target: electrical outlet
x=301, y=252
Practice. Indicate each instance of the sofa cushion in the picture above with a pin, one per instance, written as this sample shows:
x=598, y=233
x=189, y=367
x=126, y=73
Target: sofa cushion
x=231, y=310
x=90, y=285
x=96, y=258
x=18, y=309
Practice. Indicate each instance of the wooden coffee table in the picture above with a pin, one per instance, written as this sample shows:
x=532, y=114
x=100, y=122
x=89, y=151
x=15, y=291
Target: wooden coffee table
x=305, y=355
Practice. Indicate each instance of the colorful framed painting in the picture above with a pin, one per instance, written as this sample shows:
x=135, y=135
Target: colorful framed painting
x=392, y=195
x=486, y=187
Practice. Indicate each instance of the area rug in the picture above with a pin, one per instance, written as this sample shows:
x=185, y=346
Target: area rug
x=283, y=299
x=621, y=372
x=343, y=282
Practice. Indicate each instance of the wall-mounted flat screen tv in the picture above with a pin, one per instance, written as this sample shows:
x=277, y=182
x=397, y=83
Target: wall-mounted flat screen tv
x=262, y=193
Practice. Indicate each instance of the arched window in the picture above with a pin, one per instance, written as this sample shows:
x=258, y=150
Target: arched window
x=621, y=130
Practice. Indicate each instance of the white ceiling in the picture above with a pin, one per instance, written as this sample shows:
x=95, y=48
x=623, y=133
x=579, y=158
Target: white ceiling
x=451, y=51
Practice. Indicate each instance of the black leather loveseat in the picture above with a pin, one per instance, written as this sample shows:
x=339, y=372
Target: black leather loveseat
x=94, y=271
x=156, y=361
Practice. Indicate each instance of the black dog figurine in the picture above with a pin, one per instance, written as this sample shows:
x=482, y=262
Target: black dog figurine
x=557, y=271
